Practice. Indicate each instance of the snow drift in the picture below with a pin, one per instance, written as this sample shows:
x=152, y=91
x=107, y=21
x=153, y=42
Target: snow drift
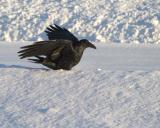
x=120, y=21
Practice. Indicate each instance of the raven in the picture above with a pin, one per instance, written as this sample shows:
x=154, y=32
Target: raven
x=62, y=51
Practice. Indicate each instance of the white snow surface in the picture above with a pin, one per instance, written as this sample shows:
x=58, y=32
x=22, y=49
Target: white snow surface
x=119, y=21
x=114, y=86
x=118, y=88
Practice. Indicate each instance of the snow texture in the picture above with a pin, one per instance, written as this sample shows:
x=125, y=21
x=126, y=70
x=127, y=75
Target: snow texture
x=119, y=21
x=34, y=98
x=116, y=86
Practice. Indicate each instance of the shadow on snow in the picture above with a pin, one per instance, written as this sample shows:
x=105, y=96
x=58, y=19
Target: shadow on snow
x=19, y=66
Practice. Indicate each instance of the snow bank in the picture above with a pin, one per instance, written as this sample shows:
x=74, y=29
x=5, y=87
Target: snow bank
x=120, y=21
x=33, y=98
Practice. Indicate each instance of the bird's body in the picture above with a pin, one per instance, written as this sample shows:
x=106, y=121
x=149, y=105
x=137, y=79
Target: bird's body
x=62, y=51
x=65, y=57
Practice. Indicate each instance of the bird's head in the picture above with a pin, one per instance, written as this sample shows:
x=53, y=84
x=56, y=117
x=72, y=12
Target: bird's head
x=87, y=44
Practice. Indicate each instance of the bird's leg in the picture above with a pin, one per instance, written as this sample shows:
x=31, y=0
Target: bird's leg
x=49, y=64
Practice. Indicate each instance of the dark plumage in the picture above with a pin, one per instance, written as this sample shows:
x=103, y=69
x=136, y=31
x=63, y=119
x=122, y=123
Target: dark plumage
x=62, y=51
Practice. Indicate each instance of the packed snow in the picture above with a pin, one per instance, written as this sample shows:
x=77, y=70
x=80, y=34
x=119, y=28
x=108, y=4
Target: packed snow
x=119, y=21
x=115, y=86
x=33, y=98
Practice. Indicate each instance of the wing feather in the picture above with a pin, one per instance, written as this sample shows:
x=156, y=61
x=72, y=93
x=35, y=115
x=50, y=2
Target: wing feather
x=42, y=48
x=56, y=32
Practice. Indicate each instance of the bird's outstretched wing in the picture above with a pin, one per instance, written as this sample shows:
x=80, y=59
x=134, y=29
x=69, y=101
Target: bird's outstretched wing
x=56, y=32
x=45, y=48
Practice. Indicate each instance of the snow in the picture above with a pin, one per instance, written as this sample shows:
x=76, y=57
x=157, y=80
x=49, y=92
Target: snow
x=115, y=86
x=33, y=98
x=104, y=21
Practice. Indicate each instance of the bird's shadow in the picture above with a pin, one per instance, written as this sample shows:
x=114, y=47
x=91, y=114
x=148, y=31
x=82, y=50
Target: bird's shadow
x=20, y=67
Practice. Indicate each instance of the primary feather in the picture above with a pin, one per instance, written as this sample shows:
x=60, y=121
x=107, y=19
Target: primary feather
x=56, y=32
x=42, y=48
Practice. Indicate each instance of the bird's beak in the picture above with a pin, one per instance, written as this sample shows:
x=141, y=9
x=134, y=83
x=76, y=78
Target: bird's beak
x=91, y=46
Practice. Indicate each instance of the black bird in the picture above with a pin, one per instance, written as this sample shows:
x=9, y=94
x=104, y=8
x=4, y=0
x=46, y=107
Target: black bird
x=62, y=51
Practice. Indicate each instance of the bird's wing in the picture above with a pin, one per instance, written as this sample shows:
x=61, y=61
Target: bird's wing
x=43, y=48
x=56, y=32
